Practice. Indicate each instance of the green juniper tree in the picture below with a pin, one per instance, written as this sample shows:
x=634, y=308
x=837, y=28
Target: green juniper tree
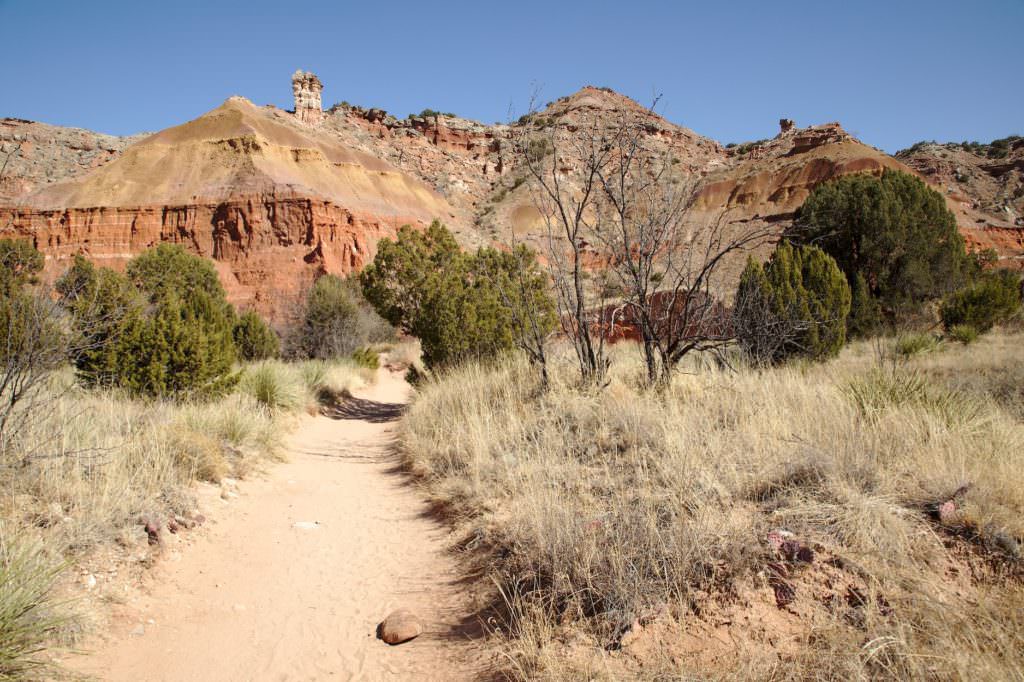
x=254, y=339
x=894, y=231
x=795, y=305
x=458, y=305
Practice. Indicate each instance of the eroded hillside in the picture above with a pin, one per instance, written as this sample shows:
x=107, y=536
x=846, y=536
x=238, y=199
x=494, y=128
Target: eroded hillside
x=275, y=197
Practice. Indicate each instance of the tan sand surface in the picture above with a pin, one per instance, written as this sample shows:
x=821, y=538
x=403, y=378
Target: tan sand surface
x=257, y=597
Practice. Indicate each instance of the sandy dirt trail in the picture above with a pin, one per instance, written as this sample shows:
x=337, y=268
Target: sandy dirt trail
x=256, y=597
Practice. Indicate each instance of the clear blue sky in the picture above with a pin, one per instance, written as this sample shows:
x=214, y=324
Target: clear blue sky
x=893, y=72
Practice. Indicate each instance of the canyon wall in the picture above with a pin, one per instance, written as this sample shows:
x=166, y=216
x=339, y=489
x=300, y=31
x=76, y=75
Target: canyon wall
x=267, y=248
x=277, y=198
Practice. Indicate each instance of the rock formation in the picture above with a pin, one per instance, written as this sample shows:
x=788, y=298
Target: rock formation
x=276, y=198
x=986, y=192
x=270, y=200
x=33, y=155
x=306, y=88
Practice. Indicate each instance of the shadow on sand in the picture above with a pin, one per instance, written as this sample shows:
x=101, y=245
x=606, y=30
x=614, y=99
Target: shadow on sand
x=350, y=407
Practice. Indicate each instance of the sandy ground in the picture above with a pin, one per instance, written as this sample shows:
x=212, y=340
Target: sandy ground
x=257, y=597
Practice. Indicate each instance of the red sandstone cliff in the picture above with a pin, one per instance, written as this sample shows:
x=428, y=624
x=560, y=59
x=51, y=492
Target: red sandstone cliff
x=276, y=197
x=273, y=202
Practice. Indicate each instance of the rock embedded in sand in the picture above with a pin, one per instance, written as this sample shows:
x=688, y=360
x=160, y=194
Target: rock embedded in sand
x=400, y=626
x=153, y=531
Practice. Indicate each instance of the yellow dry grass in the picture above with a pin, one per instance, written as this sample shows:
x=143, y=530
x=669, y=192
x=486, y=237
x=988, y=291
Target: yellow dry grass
x=627, y=530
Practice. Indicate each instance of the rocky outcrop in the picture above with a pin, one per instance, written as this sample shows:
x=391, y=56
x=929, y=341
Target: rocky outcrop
x=986, y=193
x=268, y=248
x=306, y=88
x=277, y=197
x=33, y=155
x=273, y=202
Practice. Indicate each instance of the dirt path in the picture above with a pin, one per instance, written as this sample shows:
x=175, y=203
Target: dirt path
x=257, y=597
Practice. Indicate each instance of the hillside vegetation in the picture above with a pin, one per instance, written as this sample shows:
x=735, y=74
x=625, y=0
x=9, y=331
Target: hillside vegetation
x=849, y=520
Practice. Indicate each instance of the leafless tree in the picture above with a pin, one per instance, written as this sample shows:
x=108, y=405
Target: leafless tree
x=31, y=348
x=638, y=210
x=566, y=171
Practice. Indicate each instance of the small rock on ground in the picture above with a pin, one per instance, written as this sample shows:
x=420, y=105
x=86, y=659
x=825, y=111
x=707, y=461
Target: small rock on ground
x=400, y=626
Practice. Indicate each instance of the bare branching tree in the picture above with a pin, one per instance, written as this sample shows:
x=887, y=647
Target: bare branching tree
x=32, y=346
x=613, y=197
x=566, y=171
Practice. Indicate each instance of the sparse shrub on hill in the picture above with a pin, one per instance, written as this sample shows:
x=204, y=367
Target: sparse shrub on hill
x=337, y=320
x=894, y=231
x=992, y=299
x=254, y=339
x=431, y=113
x=20, y=265
x=458, y=305
x=795, y=305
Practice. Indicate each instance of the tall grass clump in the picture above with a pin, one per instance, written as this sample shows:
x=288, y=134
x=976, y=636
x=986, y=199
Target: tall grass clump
x=29, y=618
x=910, y=344
x=615, y=515
x=272, y=385
x=290, y=386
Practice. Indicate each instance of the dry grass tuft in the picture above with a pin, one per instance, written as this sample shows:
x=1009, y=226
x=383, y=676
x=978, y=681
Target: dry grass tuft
x=629, y=531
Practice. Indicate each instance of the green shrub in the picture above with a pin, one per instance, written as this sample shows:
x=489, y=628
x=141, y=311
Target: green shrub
x=894, y=231
x=963, y=333
x=103, y=304
x=994, y=298
x=795, y=305
x=20, y=264
x=458, y=305
x=254, y=339
x=431, y=113
x=366, y=357
x=28, y=616
x=865, y=319
x=908, y=345
x=338, y=320
x=165, y=329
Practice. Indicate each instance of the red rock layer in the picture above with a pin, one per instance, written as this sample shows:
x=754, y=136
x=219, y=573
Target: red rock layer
x=267, y=248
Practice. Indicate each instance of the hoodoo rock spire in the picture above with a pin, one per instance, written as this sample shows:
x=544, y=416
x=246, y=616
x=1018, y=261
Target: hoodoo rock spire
x=307, y=88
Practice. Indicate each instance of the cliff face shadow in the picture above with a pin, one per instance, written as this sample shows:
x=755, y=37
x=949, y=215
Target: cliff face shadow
x=361, y=409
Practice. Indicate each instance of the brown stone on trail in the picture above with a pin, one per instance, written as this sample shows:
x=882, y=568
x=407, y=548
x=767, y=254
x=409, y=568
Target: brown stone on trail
x=400, y=626
x=153, y=532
